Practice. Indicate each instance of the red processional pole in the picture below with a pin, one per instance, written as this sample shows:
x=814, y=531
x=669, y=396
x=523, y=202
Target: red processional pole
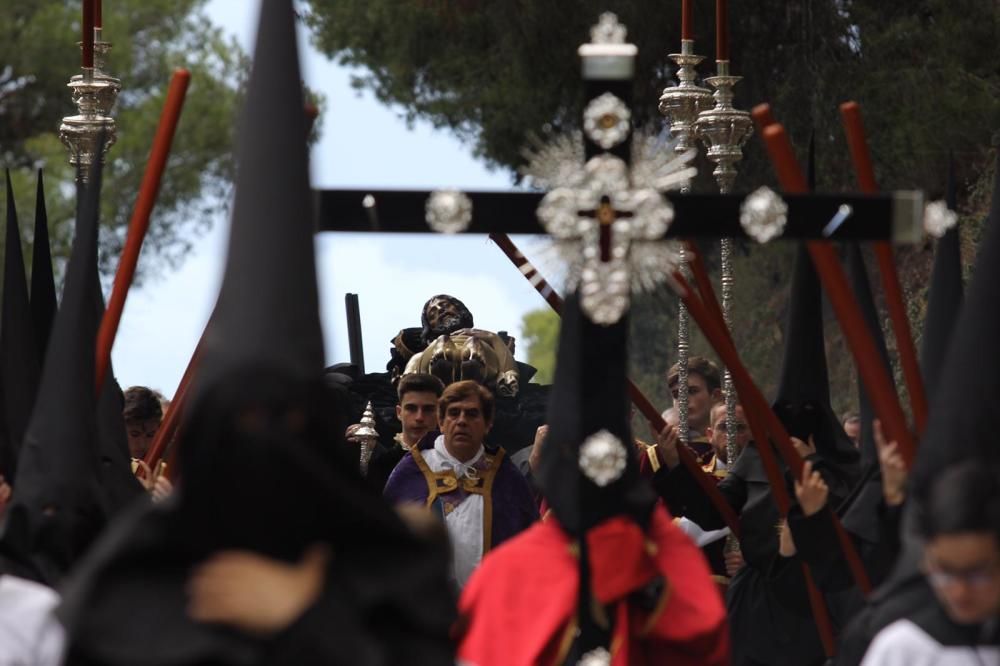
x=838, y=289
x=639, y=399
x=850, y=113
x=139, y=224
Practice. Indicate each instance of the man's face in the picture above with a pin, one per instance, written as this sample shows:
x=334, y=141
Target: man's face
x=140, y=436
x=964, y=571
x=464, y=428
x=417, y=412
x=852, y=427
x=700, y=401
x=443, y=315
x=717, y=432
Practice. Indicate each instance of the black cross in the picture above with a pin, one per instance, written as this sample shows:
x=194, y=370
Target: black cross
x=894, y=216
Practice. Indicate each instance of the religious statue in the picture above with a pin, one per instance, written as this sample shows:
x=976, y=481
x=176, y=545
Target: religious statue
x=447, y=345
x=453, y=350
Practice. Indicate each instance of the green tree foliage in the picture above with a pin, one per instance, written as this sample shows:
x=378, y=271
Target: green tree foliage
x=540, y=331
x=150, y=39
x=498, y=73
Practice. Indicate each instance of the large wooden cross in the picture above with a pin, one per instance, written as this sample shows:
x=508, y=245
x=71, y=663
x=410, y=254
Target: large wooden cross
x=895, y=216
x=604, y=209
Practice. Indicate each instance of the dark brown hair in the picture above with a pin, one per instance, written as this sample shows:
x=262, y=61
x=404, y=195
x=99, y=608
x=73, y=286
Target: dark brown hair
x=141, y=404
x=466, y=390
x=697, y=365
x=419, y=382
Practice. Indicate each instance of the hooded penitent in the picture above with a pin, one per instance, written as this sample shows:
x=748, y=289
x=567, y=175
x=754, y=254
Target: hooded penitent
x=120, y=486
x=963, y=423
x=263, y=463
x=944, y=298
x=803, y=399
x=57, y=508
x=961, y=426
x=19, y=366
x=43, y=285
x=860, y=510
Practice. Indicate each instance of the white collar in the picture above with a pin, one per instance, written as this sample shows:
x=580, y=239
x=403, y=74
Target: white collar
x=451, y=462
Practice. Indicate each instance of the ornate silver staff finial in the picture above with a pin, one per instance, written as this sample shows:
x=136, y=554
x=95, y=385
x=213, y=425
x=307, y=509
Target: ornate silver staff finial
x=94, y=92
x=608, y=30
x=682, y=103
x=367, y=436
x=724, y=130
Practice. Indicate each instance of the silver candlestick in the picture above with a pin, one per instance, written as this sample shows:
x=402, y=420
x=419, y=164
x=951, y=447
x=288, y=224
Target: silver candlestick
x=681, y=105
x=94, y=92
x=725, y=130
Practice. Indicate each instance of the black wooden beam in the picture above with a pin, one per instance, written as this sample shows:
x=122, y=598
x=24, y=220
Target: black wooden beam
x=895, y=216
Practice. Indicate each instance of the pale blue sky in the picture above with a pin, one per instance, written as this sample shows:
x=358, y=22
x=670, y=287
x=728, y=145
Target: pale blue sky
x=364, y=144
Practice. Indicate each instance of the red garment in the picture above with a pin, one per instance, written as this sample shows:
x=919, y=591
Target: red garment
x=519, y=607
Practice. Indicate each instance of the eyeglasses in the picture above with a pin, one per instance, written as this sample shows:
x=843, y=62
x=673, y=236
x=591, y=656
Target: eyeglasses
x=740, y=427
x=977, y=577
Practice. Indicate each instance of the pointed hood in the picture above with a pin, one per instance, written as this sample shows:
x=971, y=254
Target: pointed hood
x=269, y=286
x=944, y=298
x=118, y=483
x=858, y=275
x=57, y=507
x=589, y=396
x=803, y=400
x=18, y=357
x=43, y=284
x=860, y=510
x=963, y=423
x=804, y=374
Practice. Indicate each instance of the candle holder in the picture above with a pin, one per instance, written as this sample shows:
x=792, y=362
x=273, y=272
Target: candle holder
x=724, y=129
x=94, y=93
x=682, y=104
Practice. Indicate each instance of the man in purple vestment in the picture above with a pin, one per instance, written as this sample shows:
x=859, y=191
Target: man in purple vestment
x=482, y=496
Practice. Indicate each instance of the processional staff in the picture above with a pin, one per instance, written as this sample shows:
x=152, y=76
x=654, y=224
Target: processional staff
x=94, y=92
x=725, y=130
x=682, y=104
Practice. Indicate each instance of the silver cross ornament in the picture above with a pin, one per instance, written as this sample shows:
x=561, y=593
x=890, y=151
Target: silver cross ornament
x=614, y=228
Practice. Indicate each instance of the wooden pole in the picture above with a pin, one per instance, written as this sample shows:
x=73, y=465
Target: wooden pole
x=838, y=289
x=139, y=224
x=639, y=399
x=850, y=113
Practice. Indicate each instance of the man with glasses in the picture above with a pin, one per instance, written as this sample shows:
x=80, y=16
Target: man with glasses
x=960, y=525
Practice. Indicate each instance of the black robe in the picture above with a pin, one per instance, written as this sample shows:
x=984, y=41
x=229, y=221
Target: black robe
x=770, y=618
x=913, y=600
x=254, y=480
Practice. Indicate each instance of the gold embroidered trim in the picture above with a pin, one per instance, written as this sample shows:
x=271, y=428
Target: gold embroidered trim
x=442, y=483
x=491, y=473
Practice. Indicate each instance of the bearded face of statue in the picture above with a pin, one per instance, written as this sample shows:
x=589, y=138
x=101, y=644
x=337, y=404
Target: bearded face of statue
x=444, y=314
